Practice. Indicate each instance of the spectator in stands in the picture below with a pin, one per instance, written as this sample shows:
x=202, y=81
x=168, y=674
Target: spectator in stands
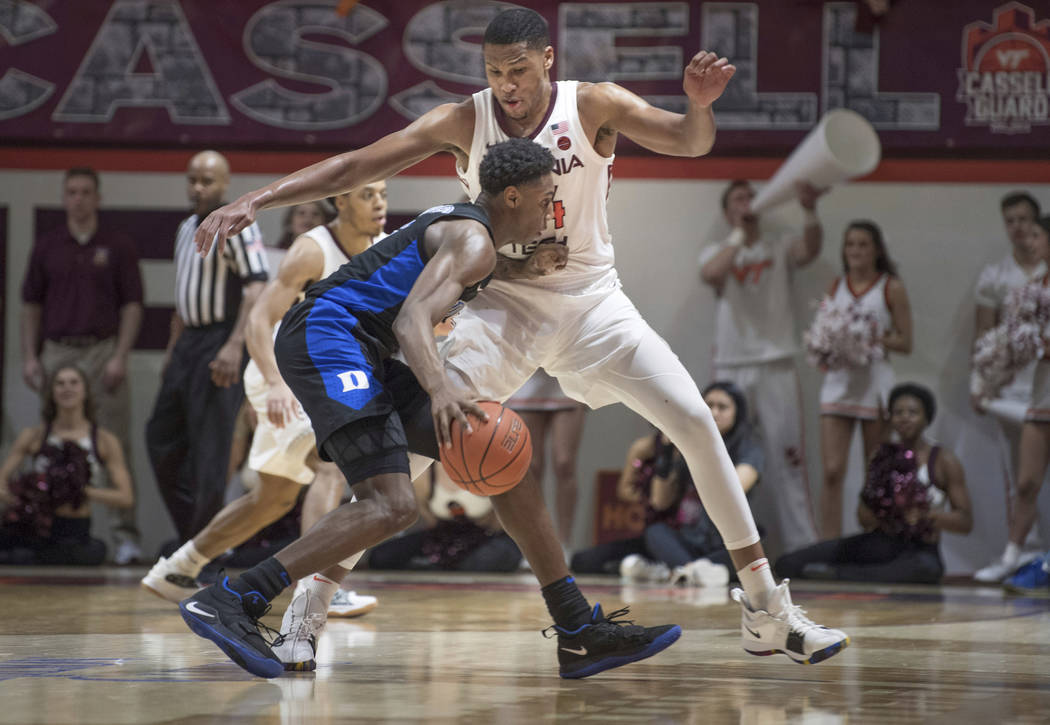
x=301, y=218
x=914, y=491
x=996, y=281
x=680, y=542
x=459, y=532
x=869, y=290
x=755, y=345
x=82, y=304
x=49, y=517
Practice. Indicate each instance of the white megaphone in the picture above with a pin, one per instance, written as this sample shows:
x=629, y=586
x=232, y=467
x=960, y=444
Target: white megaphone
x=841, y=146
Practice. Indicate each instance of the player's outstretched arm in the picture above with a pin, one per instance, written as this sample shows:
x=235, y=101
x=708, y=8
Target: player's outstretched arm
x=613, y=109
x=465, y=256
x=446, y=128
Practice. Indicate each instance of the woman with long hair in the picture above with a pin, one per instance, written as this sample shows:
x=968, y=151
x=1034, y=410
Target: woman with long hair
x=49, y=519
x=301, y=218
x=869, y=286
x=1035, y=446
x=680, y=543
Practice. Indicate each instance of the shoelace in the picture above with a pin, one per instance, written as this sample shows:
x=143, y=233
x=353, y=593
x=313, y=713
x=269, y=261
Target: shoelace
x=275, y=637
x=617, y=617
x=796, y=618
x=311, y=623
x=614, y=618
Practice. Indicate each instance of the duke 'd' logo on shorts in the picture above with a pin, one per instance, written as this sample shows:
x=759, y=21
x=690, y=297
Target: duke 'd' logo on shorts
x=353, y=380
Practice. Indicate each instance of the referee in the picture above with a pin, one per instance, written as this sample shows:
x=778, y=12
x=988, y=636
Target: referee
x=190, y=431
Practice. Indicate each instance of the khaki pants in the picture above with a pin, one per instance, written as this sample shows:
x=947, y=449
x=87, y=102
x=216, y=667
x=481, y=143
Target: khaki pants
x=112, y=408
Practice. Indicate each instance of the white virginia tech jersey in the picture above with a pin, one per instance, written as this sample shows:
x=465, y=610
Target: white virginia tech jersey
x=334, y=257
x=582, y=179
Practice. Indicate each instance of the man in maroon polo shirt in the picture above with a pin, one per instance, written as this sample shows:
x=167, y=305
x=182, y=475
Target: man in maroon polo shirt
x=82, y=304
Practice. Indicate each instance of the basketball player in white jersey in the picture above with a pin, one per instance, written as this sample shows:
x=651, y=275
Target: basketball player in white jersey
x=577, y=324
x=860, y=394
x=283, y=451
x=996, y=281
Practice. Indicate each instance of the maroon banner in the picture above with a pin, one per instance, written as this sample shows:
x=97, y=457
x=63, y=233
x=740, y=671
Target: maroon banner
x=962, y=78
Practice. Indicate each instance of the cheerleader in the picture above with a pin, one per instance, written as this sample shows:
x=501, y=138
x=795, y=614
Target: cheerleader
x=914, y=491
x=1035, y=444
x=858, y=394
x=64, y=460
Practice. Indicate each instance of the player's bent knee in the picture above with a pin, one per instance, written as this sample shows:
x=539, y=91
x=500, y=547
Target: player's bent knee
x=398, y=504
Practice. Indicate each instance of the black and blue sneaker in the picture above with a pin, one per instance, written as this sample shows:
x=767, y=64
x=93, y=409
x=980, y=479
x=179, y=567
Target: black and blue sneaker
x=607, y=642
x=231, y=620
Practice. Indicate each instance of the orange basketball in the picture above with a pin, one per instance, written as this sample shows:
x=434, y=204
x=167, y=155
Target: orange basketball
x=494, y=457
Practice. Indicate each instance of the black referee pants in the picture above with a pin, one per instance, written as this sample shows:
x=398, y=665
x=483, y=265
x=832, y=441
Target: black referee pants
x=189, y=434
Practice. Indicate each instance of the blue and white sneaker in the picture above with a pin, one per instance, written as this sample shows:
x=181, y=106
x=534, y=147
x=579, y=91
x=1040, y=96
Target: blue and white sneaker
x=784, y=628
x=607, y=642
x=1031, y=579
x=231, y=621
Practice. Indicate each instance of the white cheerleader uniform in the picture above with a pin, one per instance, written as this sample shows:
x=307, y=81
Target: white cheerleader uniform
x=860, y=392
x=1039, y=411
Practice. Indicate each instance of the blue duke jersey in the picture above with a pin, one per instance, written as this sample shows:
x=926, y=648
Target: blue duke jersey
x=334, y=348
x=371, y=287
x=582, y=178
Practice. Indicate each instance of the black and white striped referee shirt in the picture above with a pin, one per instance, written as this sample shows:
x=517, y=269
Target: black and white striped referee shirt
x=209, y=290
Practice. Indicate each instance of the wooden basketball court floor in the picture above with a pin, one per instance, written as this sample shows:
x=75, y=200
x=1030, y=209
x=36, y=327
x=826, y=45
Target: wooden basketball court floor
x=89, y=646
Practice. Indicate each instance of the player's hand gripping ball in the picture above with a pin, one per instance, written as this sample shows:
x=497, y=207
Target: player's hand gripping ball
x=494, y=457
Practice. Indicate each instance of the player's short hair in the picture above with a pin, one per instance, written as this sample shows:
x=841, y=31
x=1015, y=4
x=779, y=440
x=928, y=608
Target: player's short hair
x=1020, y=197
x=518, y=25
x=734, y=184
x=85, y=171
x=513, y=162
x=921, y=393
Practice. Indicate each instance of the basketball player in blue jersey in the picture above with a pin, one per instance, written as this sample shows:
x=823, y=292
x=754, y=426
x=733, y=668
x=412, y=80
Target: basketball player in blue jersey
x=368, y=410
x=578, y=324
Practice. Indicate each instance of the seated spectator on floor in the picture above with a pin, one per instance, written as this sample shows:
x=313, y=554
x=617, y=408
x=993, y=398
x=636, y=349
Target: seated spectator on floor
x=460, y=532
x=680, y=543
x=914, y=490
x=48, y=519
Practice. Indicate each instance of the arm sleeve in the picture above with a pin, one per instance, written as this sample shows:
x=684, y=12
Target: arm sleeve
x=247, y=256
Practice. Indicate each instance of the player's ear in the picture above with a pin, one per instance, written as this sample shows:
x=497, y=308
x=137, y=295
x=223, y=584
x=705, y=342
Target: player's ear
x=511, y=196
x=548, y=58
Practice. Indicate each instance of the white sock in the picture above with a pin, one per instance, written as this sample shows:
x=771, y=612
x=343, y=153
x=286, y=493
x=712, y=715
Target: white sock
x=1012, y=553
x=188, y=560
x=757, y=580
x=321, y=587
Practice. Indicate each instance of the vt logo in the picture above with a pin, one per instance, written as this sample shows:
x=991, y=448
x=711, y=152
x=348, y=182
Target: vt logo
x=353, y=380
